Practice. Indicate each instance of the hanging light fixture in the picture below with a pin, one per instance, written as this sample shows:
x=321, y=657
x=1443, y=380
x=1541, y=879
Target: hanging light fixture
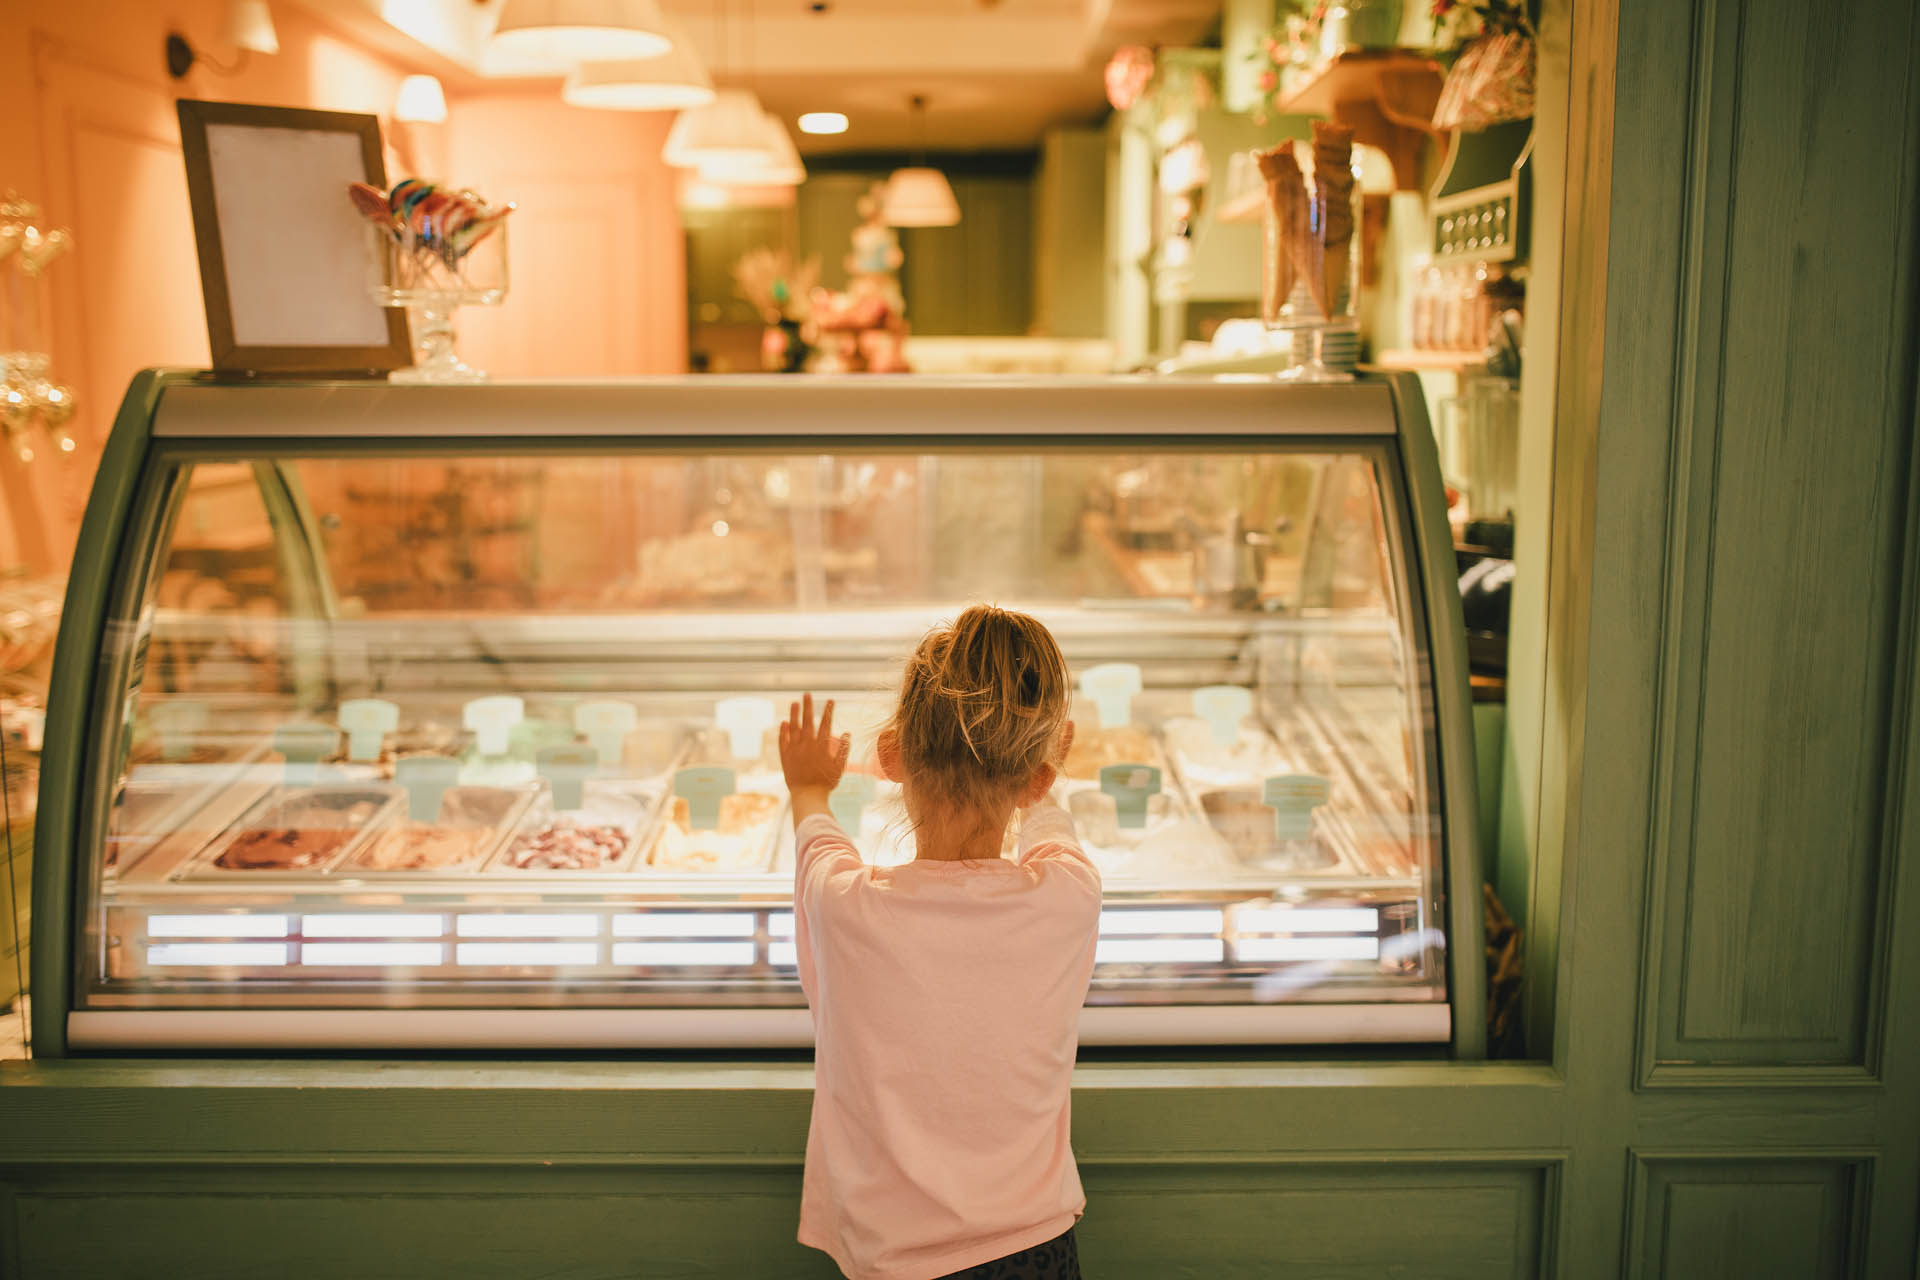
x=778, y=164
x=728, y=138
x=570, y=30
x=919, y=196
x=727, y=133
x=673, y=81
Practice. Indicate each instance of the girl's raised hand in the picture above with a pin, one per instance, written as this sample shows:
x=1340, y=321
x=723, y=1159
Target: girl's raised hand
x=811, y=757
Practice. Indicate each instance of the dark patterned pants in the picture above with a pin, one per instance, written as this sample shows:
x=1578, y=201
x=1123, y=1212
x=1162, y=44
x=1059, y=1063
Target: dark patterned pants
x=1057, y=1259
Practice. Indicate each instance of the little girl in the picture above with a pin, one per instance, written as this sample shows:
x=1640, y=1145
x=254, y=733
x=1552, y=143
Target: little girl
x=946, y=992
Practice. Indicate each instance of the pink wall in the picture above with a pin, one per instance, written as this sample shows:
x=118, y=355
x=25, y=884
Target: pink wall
x=597, y=254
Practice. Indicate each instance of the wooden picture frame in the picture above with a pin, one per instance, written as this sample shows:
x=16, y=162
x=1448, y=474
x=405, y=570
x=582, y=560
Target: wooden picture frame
x=284, y=255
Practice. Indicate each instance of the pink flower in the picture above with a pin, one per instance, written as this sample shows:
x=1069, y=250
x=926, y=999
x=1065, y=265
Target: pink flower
x=1273, y=47
x=1441, y=8
x=1267, y=81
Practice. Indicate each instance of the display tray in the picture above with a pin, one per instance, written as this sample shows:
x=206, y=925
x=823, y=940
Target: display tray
x=606, y=834
x=743, y=843
x=296, y=833
x=472, y=823
x=145, y=813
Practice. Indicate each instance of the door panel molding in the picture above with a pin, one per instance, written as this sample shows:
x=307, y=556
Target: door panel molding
x=1750, y=1209
x=1768, y=871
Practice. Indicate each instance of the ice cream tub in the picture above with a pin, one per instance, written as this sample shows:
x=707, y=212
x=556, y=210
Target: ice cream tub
x=606, y=833
x=1205, y=762
x=299, y=832
x=1097, y=749
x=467, y=830
x=740, y=841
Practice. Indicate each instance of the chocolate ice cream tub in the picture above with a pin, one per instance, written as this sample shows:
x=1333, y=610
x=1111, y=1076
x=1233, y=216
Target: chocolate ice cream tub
x=298, y=832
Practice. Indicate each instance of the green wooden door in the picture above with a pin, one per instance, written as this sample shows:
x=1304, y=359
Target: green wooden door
x=1738, y=1008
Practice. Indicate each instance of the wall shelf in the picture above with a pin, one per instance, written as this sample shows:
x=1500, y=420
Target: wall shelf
x=1386, y=96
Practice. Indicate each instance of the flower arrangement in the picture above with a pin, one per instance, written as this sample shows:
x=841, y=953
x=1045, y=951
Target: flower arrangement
x=1491, y=46
x=1457, y=22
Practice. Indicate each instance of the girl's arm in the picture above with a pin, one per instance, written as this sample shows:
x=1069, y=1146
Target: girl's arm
x=811, y=758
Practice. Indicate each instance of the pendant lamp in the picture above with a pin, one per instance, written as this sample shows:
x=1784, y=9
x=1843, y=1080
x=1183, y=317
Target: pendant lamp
x=919, y=196
x=778, y=166
x=570, y=30
x=674, y=81
x=725, y=133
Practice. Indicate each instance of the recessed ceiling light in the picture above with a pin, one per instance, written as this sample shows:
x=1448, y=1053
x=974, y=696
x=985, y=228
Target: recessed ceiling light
x=823, y=122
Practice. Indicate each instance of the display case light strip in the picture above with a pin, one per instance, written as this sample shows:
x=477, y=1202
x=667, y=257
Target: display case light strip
x=511, y=925
x=1307, y=920
x=226, y=954
x=374, y=954
x=780, y=924
x=1311, y=947
x=782, y=955
x=528, y=953
x=684, y=924
x=372, y=926
x=1160, y=951
x=1159, y=923
x=217, y=926
x=683, y=953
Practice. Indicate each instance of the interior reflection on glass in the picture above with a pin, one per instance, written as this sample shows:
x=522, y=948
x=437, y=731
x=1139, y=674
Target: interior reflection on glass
x=377, y=708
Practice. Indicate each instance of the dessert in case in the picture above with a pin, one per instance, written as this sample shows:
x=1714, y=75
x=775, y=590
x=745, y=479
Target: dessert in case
x=1204, y=762
x=468, y=818
x=737, y=844
x=1097, y=748
x=302, y=833
x=1247, y=823
x=570, y=846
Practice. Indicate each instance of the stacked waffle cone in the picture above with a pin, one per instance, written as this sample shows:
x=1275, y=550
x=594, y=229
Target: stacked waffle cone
x=1314, y=231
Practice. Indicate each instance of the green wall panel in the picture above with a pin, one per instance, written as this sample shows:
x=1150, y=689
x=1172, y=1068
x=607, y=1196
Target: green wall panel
x=1317, y=1222
x=1735, y=1217
x=408, y=1219
x=1790, y=510
x=404, y=1223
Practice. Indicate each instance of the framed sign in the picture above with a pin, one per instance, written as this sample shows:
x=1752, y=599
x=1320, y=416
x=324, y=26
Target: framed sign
x=284, y=258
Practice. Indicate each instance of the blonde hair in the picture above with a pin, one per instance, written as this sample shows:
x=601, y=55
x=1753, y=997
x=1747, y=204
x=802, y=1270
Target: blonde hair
x=982, y=705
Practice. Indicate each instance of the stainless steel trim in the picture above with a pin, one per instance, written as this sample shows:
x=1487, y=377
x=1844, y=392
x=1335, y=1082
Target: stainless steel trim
x=711, y=1028
x=710, y=407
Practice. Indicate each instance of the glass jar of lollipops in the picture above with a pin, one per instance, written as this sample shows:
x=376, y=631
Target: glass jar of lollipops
x=433, y=270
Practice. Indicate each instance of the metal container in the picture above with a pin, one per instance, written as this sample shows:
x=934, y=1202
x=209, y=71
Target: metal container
x=315, y=828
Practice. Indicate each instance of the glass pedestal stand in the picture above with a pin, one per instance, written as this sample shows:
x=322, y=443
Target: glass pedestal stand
x=416, y=274
x=430, y=316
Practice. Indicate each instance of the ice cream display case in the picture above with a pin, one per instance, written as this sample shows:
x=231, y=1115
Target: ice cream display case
x=416, y=717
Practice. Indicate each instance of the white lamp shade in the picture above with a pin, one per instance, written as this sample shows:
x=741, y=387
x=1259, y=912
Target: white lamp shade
x=919, y=198
x=726, y=132
x=671, y=82
x=576, y=29
x=250, y=26
x=421, y=99
x=778, y=166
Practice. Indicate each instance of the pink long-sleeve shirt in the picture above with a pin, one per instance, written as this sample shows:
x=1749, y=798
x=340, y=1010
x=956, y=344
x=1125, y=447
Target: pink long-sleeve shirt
x=946, y=999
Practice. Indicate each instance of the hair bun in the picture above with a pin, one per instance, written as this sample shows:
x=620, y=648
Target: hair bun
x=982, y=701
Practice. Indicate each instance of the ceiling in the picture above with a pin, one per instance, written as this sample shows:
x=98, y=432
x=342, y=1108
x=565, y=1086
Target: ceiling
x=996, y=74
